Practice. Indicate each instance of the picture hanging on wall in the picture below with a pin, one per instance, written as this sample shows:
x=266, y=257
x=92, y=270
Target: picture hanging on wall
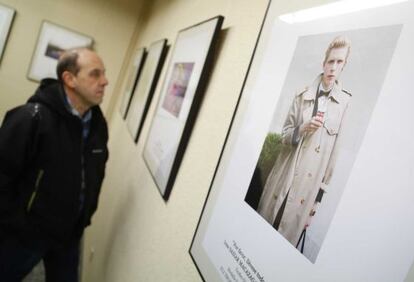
x=6, y=20
x=316, y=173
x=53, y=40
x=134, y=73
x=180, y=98
x=146, y=86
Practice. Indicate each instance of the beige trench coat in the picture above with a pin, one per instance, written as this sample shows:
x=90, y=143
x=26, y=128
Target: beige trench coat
x=304, y=168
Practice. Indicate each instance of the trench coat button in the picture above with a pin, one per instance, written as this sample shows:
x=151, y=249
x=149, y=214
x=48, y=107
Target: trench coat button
x=302, y=201
x=318, y=149
x=275, y=197
x=309, y=174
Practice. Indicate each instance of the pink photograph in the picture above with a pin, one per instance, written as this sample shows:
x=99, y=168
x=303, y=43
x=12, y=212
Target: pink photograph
x=177, y=88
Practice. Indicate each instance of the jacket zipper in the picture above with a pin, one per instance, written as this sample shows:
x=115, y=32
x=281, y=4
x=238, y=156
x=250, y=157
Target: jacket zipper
x=33, y=196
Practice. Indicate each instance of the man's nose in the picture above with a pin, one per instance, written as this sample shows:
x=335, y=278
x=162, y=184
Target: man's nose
x=104, y=81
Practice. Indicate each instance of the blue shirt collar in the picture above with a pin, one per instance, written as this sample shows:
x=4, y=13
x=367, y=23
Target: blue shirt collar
x=85, y=118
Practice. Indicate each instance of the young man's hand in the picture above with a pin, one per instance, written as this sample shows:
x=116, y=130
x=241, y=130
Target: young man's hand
x=311, y=126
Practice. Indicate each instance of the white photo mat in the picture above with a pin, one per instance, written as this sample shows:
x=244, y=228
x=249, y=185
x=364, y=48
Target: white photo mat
x=52, y=41
x=179, y=100
x=145, y=88
x=368, y=224
x=6, y=19
x=133, y=76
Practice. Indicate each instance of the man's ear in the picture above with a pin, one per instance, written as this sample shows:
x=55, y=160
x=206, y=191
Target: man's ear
x=69, y=79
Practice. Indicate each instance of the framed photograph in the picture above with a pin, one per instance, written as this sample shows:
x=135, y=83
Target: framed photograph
x=145, y=89
x=134, y=73
x=314, y=183
x=180, y=98
x=6, y=20
x=52, y=41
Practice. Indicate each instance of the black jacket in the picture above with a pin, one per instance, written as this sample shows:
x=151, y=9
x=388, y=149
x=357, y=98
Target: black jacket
x=41, y=151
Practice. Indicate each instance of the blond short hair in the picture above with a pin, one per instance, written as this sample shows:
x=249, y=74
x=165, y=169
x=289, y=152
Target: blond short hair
x=338, y=42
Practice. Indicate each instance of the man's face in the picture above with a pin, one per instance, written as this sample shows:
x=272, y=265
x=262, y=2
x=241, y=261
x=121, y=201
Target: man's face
x=90, y=81
x=333, y=66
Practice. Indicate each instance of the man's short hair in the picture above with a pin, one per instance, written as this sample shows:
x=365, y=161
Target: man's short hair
x=68, y=61
x=338, y=42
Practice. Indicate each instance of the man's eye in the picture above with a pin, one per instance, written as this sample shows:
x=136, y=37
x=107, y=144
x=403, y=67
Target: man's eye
x=95, y=73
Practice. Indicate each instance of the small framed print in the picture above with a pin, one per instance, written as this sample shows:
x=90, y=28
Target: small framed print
x=53, y=40
x=6, y=20
x=179, y=101
x=147, y=84
x=133, y=76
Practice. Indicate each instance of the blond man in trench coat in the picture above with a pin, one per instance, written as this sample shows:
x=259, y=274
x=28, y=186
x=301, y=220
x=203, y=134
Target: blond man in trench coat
x=301, y=174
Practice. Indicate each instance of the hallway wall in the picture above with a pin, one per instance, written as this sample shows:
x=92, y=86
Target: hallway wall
x=135, y=235
x=95, y=18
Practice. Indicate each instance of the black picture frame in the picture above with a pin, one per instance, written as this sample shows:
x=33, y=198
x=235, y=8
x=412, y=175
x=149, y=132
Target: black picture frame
x=134, y=73
x=177, y=108
x=233, y=238
x=146, y=85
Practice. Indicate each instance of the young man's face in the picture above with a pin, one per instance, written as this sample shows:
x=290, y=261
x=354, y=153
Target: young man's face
x=90, y=81
x=333, y=66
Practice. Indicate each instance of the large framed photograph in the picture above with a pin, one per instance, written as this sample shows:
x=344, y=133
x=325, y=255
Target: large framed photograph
x=180, y=98
x=134, y=73
x=6, y=20
x=315, y=179
x=52, y=41
x=145, y=89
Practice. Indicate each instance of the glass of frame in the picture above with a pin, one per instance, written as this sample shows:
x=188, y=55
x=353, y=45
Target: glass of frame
x=145, y=89
x=6, y=20
x=133, y=76
x=179, y=101
x=338, y=186
x=52, y=41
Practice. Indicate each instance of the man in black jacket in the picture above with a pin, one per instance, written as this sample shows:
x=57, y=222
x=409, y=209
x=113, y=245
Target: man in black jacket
x=53, y=152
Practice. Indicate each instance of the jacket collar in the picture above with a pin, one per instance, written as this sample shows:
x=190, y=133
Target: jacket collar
x=335, y=94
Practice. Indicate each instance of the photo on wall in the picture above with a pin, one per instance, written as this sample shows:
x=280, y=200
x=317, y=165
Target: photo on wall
x=53, y=51
x=145, y=88
x=52, y=41
x=317, y=121
x=315, y=179
x=177, y=87
x=6, y=20
x=180, y=98
x=134, y=73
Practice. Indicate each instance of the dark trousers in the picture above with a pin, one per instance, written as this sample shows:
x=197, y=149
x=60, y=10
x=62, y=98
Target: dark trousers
x=18, y=259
